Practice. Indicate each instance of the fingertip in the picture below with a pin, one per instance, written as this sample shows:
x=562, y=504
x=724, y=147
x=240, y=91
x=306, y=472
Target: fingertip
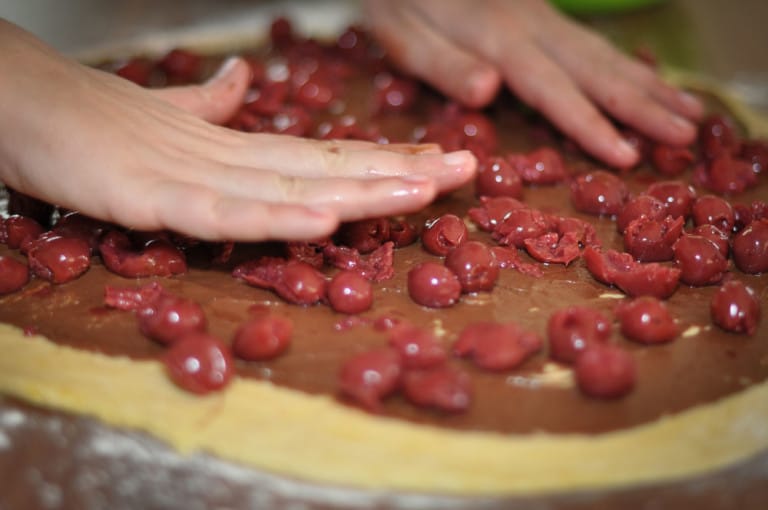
x=623, y=154
x=481, y=86
x=692, y=105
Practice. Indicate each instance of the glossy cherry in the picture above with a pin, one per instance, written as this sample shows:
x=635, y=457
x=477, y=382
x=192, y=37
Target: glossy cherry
x=605, y=372
x=713, y=210
x=349, y=292
x=262, y=338
x=434, y=285
x=646, y=320
x=676, y=195
x=199, y=363
x=169, y=318
x=735, y=308
x=573, y=330
x=475, y=266
x=370, y=376
x=750, y=248
x=14, y=275
x=497, y=346
x=641, y=205
x=444, y=233
x=598, y=192
x=443, y=388
x=418, y=347
x=496, y=177
x=58, y=259
x=700, y=260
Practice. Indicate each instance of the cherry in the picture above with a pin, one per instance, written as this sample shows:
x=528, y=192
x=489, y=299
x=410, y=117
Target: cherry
x=300, y=284
x=641, y=205
x=418, y=347
x=434, y=285
x=497, y=346
x=717, y=135
x=700, y=260
x=475, y=266
x=646, y=320
x=370, y=376
x=262, y=338
x=713, y=210
x=632, y=277
x=13, y=275
x=393, y=94
x=541, y=166
x=365, y=235
x=443, y=388
x=18, y=230
x=714, y=234
x=169, y=317
x=402, y=233
x=181, y=66
x=493, y=211
x=199, y=363
x=756, y=152
x=677, y=195
x=132, y=298
x=350, y=292
x=670, y=160
x=157, y=257
x=650, y=240
x=750, y=248
x=605, y=372
x=58, y=259
x=573, y=330
x=725, y=174
x=735, y=308
x=553, y=248
x=521, y=224
x=496, y=177
x=598, y=192
x=138, y=70
x=443, y=234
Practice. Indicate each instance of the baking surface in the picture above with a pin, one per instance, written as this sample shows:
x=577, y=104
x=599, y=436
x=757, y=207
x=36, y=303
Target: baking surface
x=60, y=461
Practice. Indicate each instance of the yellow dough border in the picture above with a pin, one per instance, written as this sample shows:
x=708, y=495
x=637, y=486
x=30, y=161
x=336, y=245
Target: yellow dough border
x=314, y=438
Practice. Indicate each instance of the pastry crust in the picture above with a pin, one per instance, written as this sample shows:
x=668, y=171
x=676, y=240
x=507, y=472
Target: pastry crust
x=315, y=438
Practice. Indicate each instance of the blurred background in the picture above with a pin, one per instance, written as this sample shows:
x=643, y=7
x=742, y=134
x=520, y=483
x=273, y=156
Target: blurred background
x=723, y=39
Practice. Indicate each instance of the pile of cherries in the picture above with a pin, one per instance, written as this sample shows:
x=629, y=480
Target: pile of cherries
x=301, y=81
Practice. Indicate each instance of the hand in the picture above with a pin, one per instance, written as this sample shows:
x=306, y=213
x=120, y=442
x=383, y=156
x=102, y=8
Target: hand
x=467, y=49
x=149, y=160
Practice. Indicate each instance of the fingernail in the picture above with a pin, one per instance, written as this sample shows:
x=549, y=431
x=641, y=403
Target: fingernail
x=225, y=68
x=626, y=150
x=681, y=123
x=690, y=101
x=456, y=158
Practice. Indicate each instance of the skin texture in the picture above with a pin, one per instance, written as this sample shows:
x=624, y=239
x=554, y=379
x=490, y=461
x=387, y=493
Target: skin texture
x=568, y=73
x=87, y=140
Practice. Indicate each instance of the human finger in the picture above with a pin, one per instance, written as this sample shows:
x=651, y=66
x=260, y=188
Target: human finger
x=301, y=157
x=543, y=85
x=413, y=44
x=217, y=99
x=199, y=211
x=626, y=89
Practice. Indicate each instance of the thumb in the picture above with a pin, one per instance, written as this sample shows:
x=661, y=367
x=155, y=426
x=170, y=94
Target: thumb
x=216, y=100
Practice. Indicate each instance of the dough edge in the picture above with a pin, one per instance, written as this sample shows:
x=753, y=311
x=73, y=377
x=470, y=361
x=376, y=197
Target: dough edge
x=314, y=438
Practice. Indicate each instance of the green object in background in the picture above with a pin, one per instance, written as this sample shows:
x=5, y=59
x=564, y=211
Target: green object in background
x=601, y=6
